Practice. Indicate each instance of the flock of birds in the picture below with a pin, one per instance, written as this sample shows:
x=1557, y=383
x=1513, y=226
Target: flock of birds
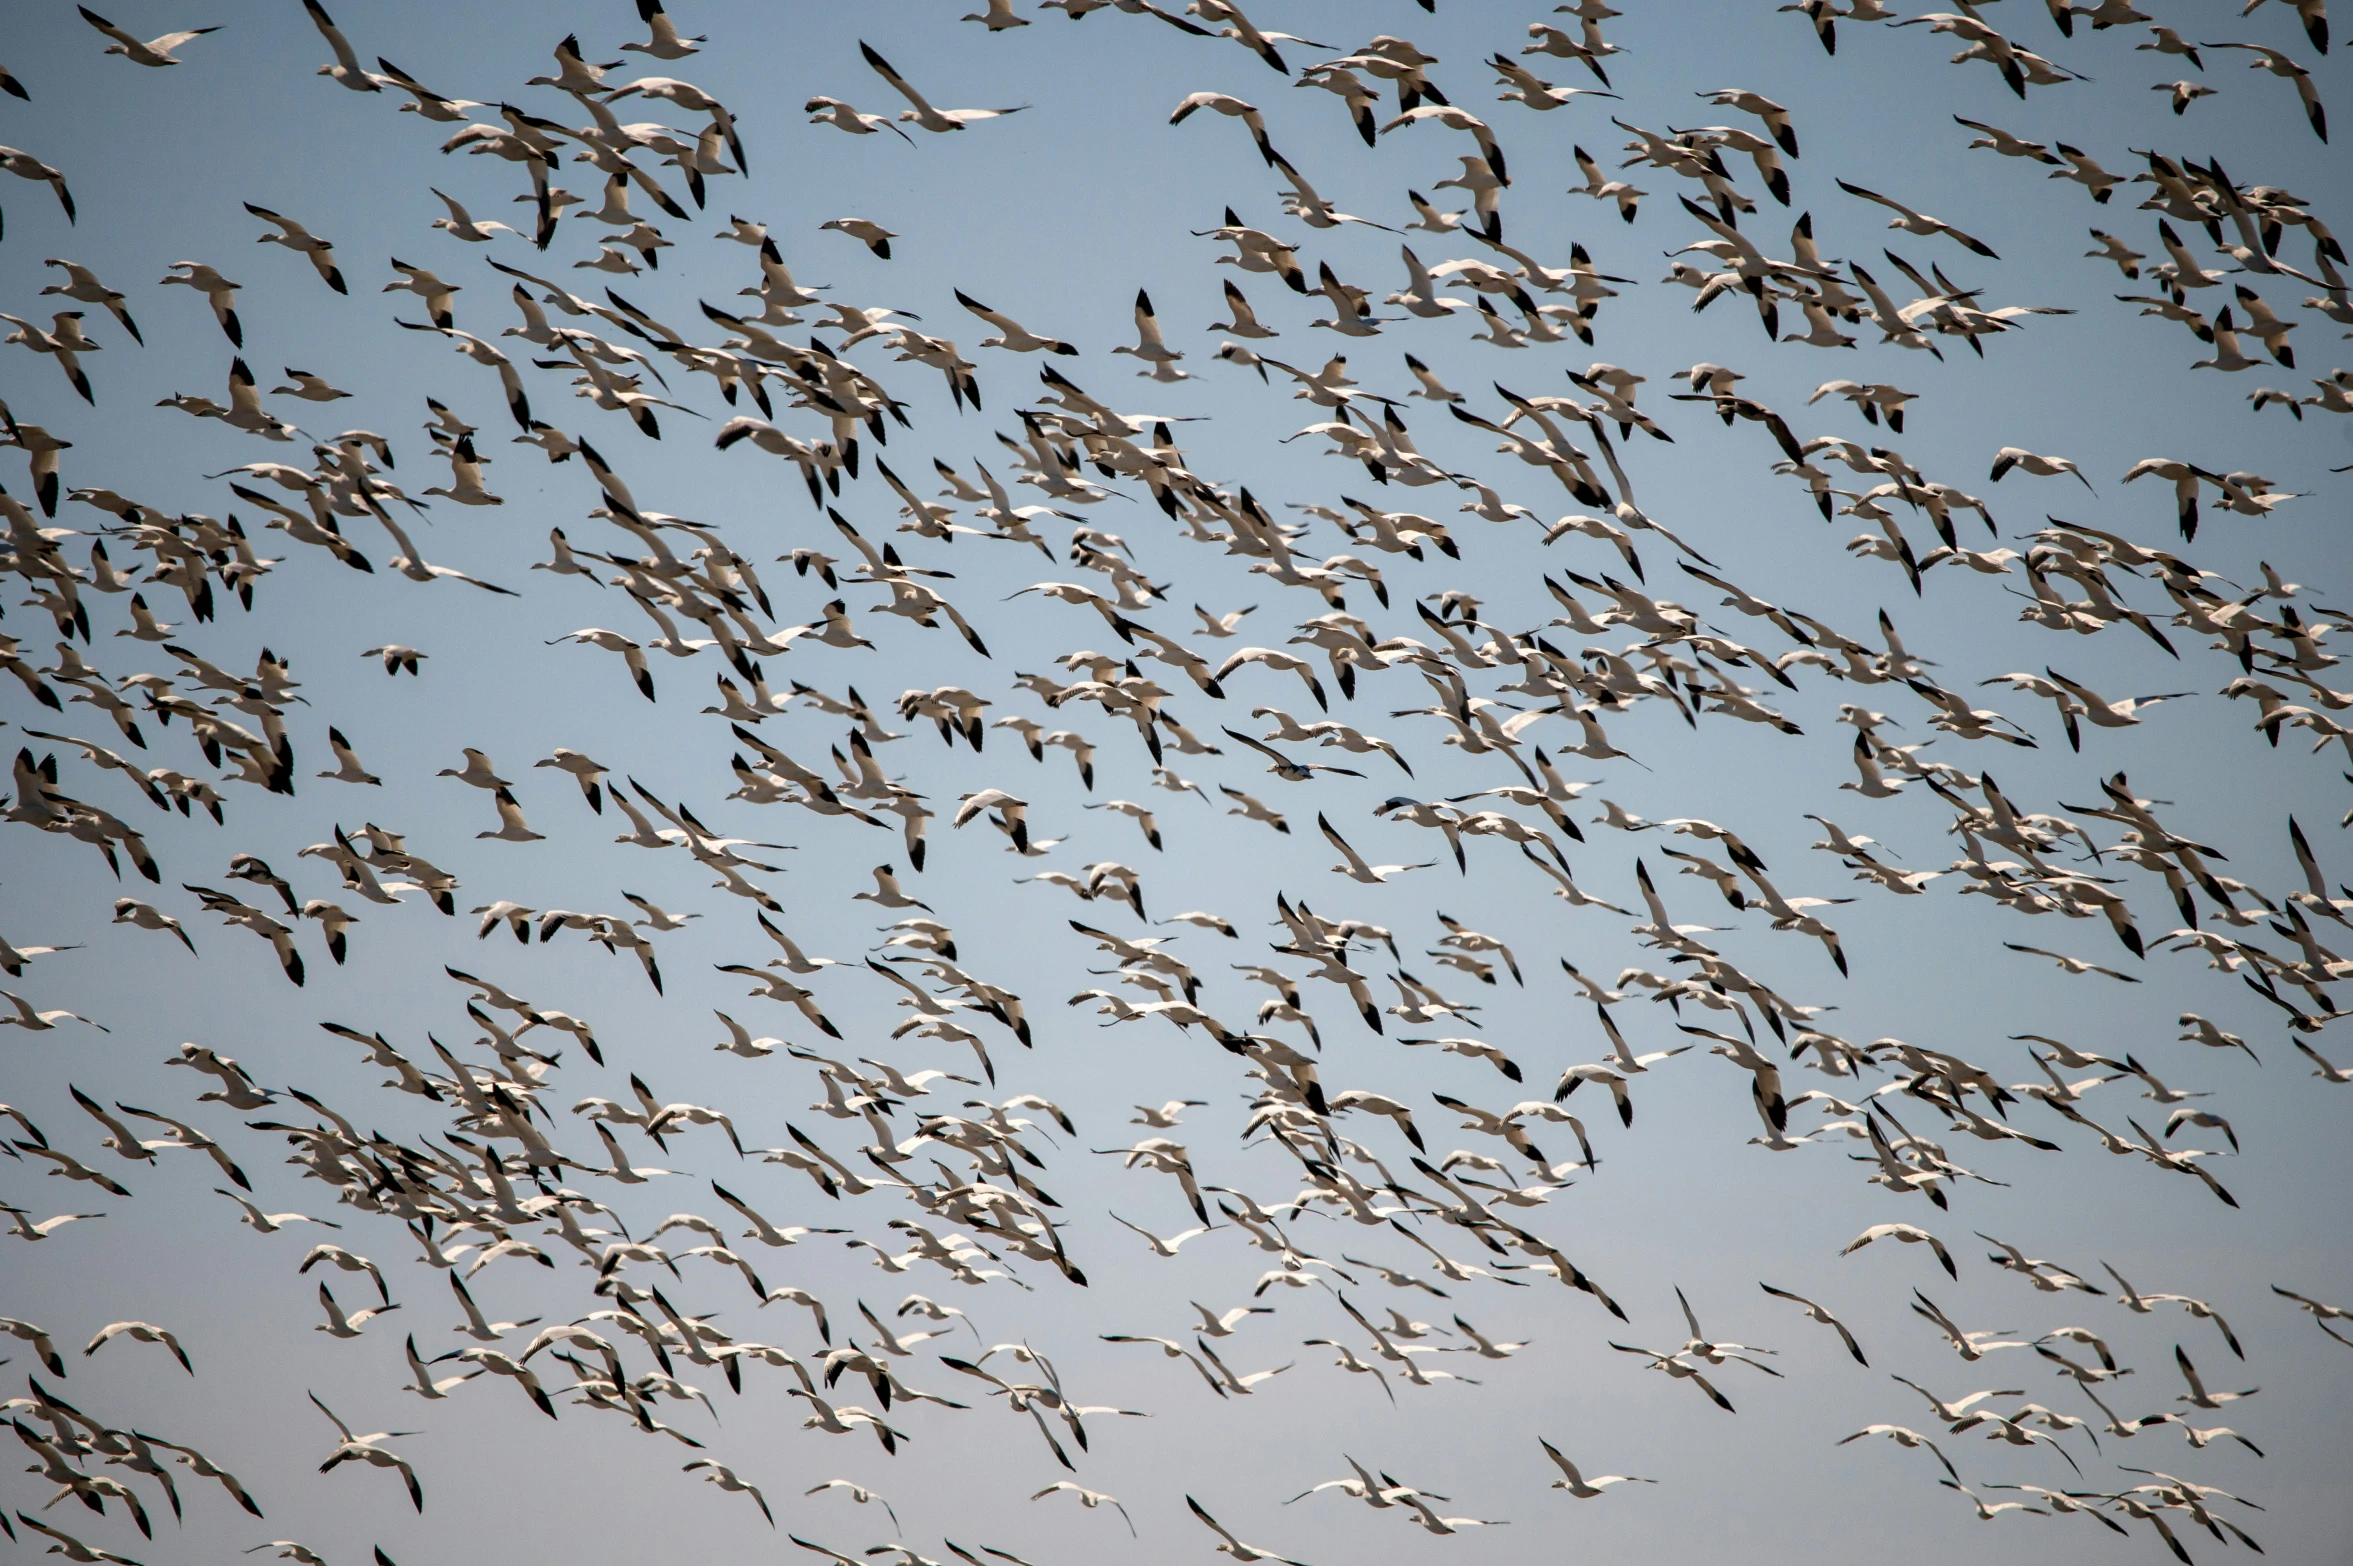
x=926, y=1170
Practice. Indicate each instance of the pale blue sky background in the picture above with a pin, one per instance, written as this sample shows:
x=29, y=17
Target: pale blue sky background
x=1057, y=215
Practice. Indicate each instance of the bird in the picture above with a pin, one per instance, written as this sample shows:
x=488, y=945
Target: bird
x=2010, y=457
x=309, y=387
x=1676, y=1368
x=139, y=1331
x=921, y=113
x=2071, y=964
x=843, y=116
x=1908, y=1234
x=1353, y=864
x=1912, y=222
x=2197, y=1396
x=2184, y=93
x=1284, y=767
x=64, y=342
x=429, y=287
x=872, y=235
x=589, y=775
x=1090, y=1499
x=1011, y=336
x=856, y=1492
x=461, y=224
x=2324, y=1069
x=1577, y=1484
x=1149, y=346
x=1970, y=1346
x=1229, y=1545
x=478, y=772
x=1817, y=1313
x=1011, y=813
x=270, y=1223
x=218, y=291
x=1903, y=1437
x=154, y=53
x=295, y=237
x=346, y=72
x=665, y=42
x=1234, y=108
x=43, y=1346
x=33, y=1021
x=725, y=1479
x=23, y=1226
x=83, y=286
x=1159, y=1246
x=632, y=654
x=368, y=1449
x=512, y=827
x=886, y=892
x=71, y=1548
x=145, y=916
x=2278, y=64
x=340, y=1324
x=1246, y=33
x=398, y=658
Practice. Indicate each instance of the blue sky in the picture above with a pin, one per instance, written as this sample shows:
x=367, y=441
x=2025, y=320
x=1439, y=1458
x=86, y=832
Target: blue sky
x=1058, y=215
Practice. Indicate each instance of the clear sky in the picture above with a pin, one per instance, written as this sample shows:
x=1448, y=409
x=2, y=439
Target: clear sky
x=1058, y=215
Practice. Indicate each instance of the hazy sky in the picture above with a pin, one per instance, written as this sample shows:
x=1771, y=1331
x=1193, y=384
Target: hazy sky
x=1058, y=215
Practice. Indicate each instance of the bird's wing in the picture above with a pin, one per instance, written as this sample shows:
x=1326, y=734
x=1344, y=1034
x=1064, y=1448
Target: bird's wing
x=1214, y=1525
x=1873, y=195
x=1355, y=860
x=882, y=68
x=331, y=1414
